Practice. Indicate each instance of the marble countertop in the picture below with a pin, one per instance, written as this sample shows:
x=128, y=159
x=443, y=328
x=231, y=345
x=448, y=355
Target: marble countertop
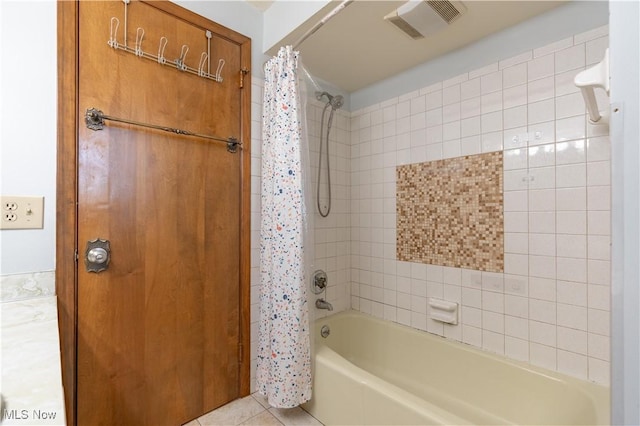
x=31, y=385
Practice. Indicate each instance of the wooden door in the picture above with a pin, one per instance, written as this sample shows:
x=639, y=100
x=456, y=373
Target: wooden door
x=159, y=333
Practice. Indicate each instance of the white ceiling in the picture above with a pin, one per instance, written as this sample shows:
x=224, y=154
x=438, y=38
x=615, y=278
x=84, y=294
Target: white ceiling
x=357, y=47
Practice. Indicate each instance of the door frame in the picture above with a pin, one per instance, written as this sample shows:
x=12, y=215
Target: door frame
x=67, y=247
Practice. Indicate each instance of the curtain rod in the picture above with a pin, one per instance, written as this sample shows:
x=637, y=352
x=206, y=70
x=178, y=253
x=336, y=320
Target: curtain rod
x=323, y=21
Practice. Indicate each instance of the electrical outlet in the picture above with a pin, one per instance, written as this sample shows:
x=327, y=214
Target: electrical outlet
x=21, y=212
x=10, y=217
x=10, y=206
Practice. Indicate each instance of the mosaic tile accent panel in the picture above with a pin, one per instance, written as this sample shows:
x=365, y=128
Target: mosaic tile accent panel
x=450, y=212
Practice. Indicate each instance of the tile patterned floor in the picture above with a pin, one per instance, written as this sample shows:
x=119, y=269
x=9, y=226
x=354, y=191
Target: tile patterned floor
x=254, y=410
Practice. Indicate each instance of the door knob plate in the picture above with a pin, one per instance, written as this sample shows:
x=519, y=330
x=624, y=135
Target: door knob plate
x=97, y=255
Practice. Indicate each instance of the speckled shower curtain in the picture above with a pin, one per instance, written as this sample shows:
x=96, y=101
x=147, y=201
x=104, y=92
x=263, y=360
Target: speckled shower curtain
x=284, y=353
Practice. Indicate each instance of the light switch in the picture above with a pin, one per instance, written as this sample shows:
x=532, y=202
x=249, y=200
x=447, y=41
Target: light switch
x=21, y=212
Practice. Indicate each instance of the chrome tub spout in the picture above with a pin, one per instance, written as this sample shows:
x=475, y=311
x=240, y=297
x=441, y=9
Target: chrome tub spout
x=323, y=304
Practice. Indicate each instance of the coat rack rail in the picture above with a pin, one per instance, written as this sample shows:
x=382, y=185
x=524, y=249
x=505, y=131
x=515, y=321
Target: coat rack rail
x=94, y=120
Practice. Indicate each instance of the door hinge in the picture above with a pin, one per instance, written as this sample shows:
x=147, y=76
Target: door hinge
x=243, y=72
x=75, y=255
x=240, y=352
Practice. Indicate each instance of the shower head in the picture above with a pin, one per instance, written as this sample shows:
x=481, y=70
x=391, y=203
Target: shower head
x=335, y=101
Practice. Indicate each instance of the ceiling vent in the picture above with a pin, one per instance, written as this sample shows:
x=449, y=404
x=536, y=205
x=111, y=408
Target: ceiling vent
x=420, y=18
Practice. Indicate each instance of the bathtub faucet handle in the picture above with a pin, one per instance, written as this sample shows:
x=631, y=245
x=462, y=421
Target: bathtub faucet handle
x=319, y=281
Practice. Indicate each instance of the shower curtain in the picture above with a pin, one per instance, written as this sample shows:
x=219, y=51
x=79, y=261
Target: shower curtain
x=284, y=354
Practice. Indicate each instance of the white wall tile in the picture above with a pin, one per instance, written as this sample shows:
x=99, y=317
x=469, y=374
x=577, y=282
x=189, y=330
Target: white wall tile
x=515, y=117
x=514, y=75
x=493, y=342
x=572, y=364
x=572, y=316
x=571, y=222
x=572, y=340
x=516, y=243
x=564, y=84
x=542, y=244
x=541, y=111
x=542, y=289
x=515, y=201
x=599, y=222
x=491, y=122
x=570, y=106
x=542, y=200
x=472, y=335
x=598, y=173
x=470, y=89
x=542, y=155
x=598, y=149
x=572, y=246
x=542, y=222
x=493, y=321
x=541, y=133
x=471, y=107
x=491, y=82
x=596, y=49
x=570, y=152
x=542, y=266
x=542, y=332
x=570, y=59
x=599, y=271
x=599, y=247
x=572, y=293
x=491, y=102
x=451, y=148
x=516, y=348
x=451, y=112
x=598, y=347
x=543, y=356
x=570, y=128
x=515, y=159
x=571, y=269
x=514, y=96
x=516, y=222
x=471, y=145
x=539, y=90
x=571, y=198
x=492, y=141
x=571, y=175
x=451, y=94
x=516, y=327
x=540, y=67
x=433, y=100
x=516, y=306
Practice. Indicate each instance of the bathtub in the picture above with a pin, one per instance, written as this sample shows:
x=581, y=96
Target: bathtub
x=369, y=371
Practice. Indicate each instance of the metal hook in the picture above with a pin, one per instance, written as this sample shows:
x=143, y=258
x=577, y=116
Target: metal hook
x=113, y=32
x=163, y=44
x=139, y=37
x=203, y=61
x=219, y=70
x=180, y=63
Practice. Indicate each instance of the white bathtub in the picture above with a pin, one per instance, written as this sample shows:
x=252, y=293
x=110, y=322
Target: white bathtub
x=370, y=371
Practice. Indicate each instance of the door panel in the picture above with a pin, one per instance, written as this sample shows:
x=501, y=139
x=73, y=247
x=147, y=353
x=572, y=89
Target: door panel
x=158, y=332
